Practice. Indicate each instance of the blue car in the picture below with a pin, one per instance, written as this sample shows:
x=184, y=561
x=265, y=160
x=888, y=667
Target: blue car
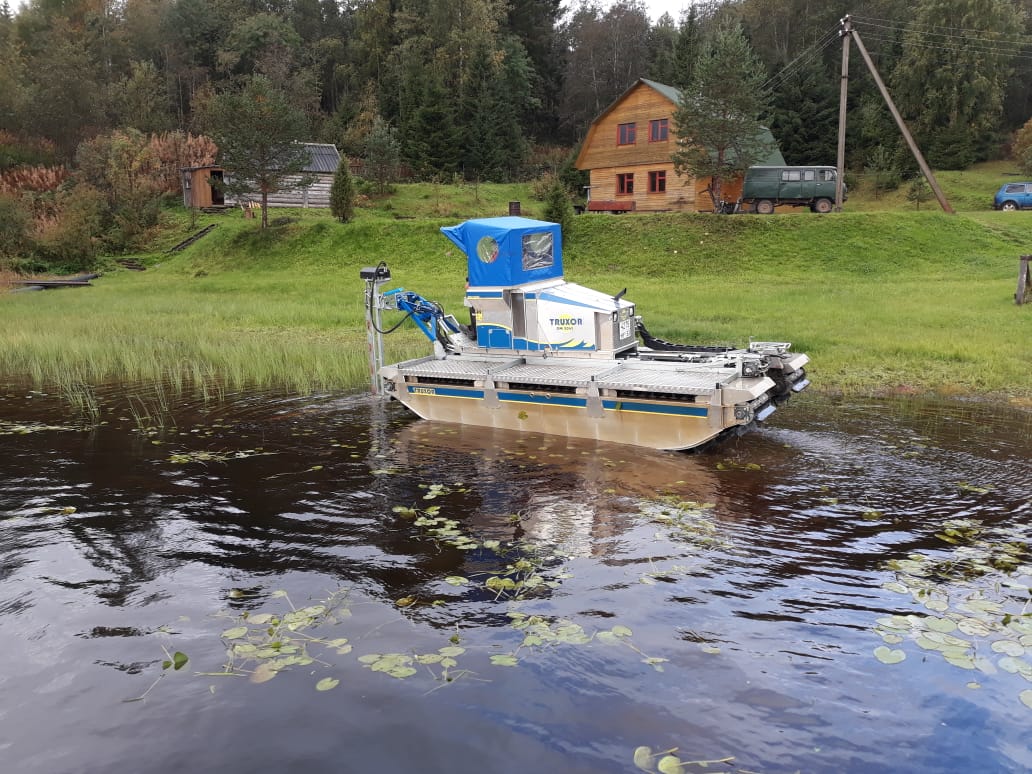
x=1013, y=196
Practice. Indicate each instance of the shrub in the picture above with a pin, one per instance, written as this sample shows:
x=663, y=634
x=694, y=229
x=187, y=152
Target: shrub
x=69, y=241
x=342, y=192
x=1021, y=150
x=558, y=208
x=15, y=221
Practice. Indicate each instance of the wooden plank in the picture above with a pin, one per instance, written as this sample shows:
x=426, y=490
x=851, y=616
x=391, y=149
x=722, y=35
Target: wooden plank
x=1024, y=281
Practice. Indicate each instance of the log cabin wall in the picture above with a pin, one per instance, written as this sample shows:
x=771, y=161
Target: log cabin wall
x=606, y=157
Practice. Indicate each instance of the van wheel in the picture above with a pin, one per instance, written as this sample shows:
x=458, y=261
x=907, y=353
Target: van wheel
x=823, y=206
x=765, y=207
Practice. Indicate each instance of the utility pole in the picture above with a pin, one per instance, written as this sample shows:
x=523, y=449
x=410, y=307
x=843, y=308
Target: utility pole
x=849, y=32
x=844, y=33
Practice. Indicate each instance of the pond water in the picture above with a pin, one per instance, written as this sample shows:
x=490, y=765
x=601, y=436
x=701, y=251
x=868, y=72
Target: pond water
x=355, y=590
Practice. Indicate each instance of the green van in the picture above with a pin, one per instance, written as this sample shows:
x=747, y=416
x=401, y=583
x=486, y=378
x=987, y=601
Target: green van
x=765, y=188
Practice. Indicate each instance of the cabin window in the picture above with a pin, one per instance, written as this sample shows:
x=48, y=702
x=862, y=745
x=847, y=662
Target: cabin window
x=657, y=181
x=625, y=134
x=1015, y=188
x=790, y=175
x=487, y=249
x=659, y=130
x=625, y=183
x=537, y=250
x=827, y=175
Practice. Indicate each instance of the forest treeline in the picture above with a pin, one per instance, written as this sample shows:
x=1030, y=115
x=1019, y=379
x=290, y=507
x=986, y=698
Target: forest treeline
x=497, y=90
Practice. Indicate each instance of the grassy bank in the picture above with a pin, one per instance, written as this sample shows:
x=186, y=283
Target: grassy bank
x=882, y=301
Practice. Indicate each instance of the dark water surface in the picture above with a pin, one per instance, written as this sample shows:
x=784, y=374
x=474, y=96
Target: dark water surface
x=746, y=629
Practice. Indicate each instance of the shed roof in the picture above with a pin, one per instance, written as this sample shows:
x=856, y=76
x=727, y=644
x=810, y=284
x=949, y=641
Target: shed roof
x=323, y=157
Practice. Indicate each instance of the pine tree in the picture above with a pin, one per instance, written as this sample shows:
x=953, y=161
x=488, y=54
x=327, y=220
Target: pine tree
x=557, y=206
x=342, y=192
x=718, y=129
x=260, y=137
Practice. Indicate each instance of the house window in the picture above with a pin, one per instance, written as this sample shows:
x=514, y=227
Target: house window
x=659, y=130
x=625, y=183
x=657, y=182
x=625, y=134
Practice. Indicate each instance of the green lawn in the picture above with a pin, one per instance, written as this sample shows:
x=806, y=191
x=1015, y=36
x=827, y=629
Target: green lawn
x=881, y=300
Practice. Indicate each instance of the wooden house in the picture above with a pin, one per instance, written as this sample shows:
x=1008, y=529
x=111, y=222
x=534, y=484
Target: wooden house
x=199, y=190
x=629, y=154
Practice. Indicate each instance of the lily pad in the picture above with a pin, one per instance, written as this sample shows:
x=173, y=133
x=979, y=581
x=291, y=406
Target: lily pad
x=889, y=655
x=643, y=758
x=1008, y=648
x=1026, y=698
x=669, y=764
x=235, y=633
x=327, y=684
x=507, y=659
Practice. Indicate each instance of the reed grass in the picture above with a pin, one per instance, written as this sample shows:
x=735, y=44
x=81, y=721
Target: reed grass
x=882, y=301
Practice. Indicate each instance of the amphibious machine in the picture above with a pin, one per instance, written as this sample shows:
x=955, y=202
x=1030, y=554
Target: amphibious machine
x=544, y=355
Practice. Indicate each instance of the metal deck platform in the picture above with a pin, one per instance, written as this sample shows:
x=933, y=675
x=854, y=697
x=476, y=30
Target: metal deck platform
x=674, y=378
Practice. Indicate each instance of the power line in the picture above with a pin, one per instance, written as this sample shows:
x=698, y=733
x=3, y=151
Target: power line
x=805, y=58
x=967, y=41
x=1019, y=37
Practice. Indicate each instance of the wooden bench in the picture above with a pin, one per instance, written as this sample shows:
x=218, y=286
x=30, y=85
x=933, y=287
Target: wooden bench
x=607, y=205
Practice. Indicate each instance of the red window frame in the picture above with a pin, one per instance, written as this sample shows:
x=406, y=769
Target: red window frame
x=659, y=130
x=625, y=184
x=626, y=134
x=657, y=181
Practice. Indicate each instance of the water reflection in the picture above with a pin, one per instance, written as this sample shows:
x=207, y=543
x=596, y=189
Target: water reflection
x=750, y=579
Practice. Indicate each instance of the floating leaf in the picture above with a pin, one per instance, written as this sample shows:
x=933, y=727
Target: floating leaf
x=457, y=580
x=1026, y=698
x=655, y=662
x=1008, y=647
x=943, y=625
x=711, y=649
x=235, y=633
x=973, y=627
x=974, y=686
x=264, y=672
x=179, y=660
x=889, y=656
x=669, y=764
x=406, y=602
x=621, y=631
x=643, y=758
x=327, y=684
x=964, y=662
x=451, y=651
x=261, y=618
x=504, y=659
x=278, y=593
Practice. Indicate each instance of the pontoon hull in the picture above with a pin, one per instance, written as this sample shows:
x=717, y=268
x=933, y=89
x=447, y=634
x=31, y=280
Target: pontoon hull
x=700, y=405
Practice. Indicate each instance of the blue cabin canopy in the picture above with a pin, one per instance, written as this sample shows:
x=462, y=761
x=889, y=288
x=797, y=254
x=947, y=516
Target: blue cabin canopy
x=503, y=252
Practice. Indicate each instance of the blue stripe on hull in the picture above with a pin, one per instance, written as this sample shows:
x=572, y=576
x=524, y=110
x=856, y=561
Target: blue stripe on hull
x=562, y=400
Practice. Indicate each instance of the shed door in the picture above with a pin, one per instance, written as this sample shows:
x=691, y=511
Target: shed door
x=217, y=196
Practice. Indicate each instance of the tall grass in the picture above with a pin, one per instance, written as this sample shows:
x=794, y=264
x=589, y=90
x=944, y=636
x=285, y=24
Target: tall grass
x=881, y=301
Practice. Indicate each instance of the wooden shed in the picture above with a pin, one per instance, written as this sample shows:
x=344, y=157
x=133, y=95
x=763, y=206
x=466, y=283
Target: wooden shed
x=629, y=150
x=323, y=159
